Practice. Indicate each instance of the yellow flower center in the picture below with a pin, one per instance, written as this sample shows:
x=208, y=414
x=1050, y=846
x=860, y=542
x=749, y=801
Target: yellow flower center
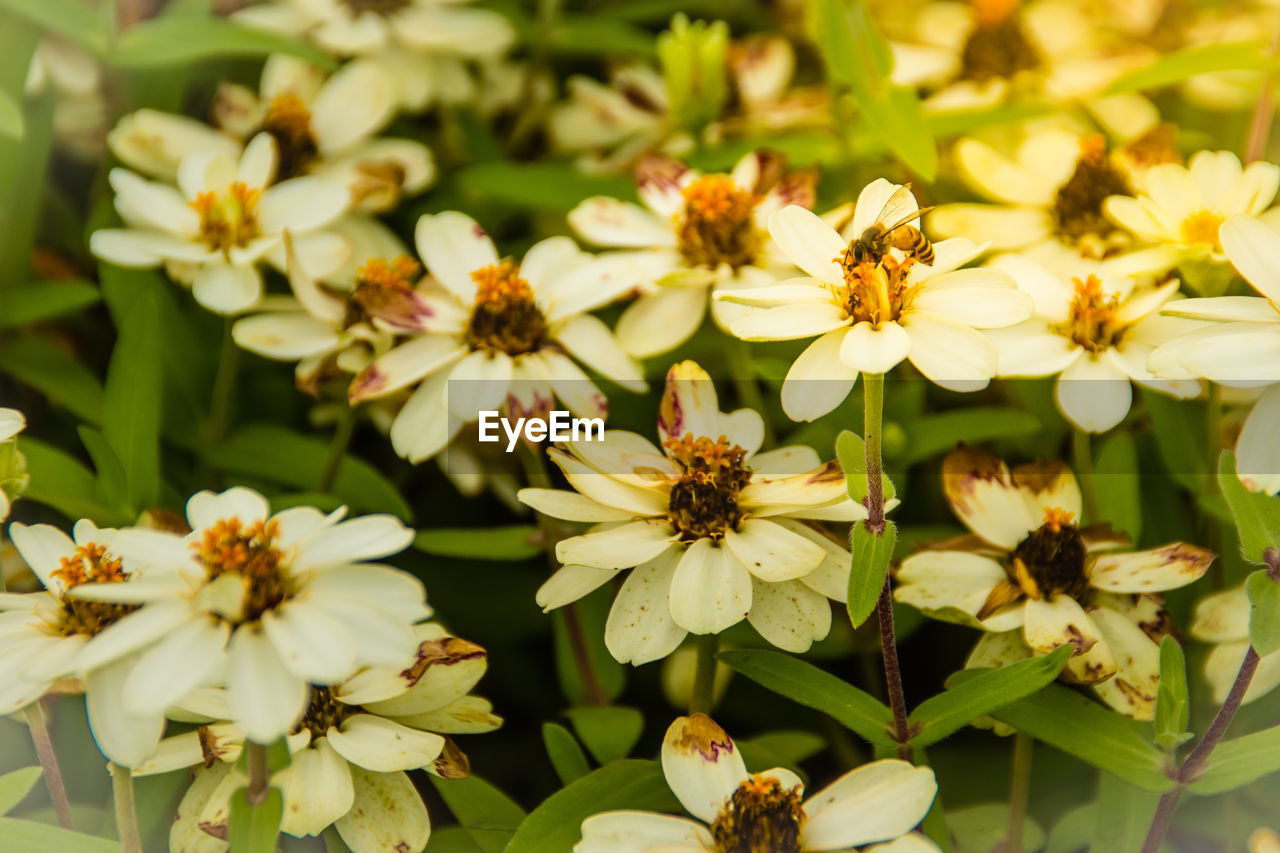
x=1091, y=320
x=761, y=817
x=289, y=122
x=704, y=501
x=875, y=291
x=505, y=316
x=1077, y=206
x=228, y=219
x=1050, y=560
x=90, y=563
x=717, y=225
x=385, y=289
x=228, y=547
x=998, y=46
x=1202, y=227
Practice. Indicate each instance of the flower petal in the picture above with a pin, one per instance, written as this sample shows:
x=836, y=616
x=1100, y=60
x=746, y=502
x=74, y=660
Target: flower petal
x=771, y=552
x=386, y=814
x=383, y=745
x=640, y=627
x=1157, y=570
x=702, y=764
x=317, y=789
x=876, y=802
x=617, y=547
x=265, y=699
x=710, y=590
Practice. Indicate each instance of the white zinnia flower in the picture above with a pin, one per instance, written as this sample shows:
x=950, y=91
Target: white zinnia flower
x=45, y=637
x=1241, y=348
x=327, y=126
x=1095, y=332
x=350, y=751
x=695, y=234
x=1184, y=206
x=736, y=810
x=706, y=524
x=1222, y=619
x=268, y=603
x=871, y=313
x=499, y=333
x=1029, y=566
x=222, y=221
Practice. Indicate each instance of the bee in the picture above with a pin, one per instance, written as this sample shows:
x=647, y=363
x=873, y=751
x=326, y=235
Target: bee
x=892, y=230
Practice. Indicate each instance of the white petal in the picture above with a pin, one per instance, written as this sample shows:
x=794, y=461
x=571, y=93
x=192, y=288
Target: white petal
x=640, y=628
x=383, y=745
x=453, y=246
x=302, y=204
x=1257, y=451
x=951, y=355
x=204, y=509
x=788, y=322
x=869, y=349
x=808, y=242
x=876, y=802
x=1094, y=394
x=404, y=365
x=659, y=322
x=265, y=700
x=365, y=538
x=478, y=383
x=570, y=583
x=636, y=832
x=790, y=615
x=771, y=552
x=710, y=590
x=1156, y=570
x=317, y=790
x=606, y=221
x=175, y=666
x=227, y=289
x=127, y=739
x=702, y=764
x=313, y=645
x=589, y=340
x=617, y=547
x=818, y=380
x=387, y=814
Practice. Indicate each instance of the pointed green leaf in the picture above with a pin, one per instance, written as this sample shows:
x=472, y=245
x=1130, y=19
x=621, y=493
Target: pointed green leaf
x=131, y=407
x=1238, y=762
x=1119, y=485
x=489, y=815
x=1264, y=614
x=931, y=435
x=513, y=542
x=60, y=481
x=48, y=369
x=111, y=476
x=566, y=755
x=28, y=836
x=1177, y=66
x=1173, y=705
x=941, y=715
x=810, y=686
x=15, y=785
x=609, y=732
x=871, y=556
x=1257, y=516
x=75, y=19
x=851, y=452
x=254, y=829
x=44, y=300
x=173, y=41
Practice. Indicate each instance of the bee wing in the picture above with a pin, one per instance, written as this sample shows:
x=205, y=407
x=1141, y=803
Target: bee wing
x=900, y=208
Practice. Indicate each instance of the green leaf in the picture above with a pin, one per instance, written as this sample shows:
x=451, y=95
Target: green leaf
x=46, y=368
x=983, y=828
x=1257, y=515
x=1200, y=59
x=1240, y=761
x=490, y=816
x=808, y=685
x=1124, y=815
x=934, y=434
x=1264, y=613
x=131, y=411
x=253, y=829
x=59, y=481
x=177, y=41
x=78, y=21
x=590, y=35
x=31, y=837
x=111, y=475
x=556, y=825
x=280, y=455
x=1181, y=437
x=592, y=613
x=851, y=452
x=45, y=300
x=1119, y=487
x=941, y=715
x=871, y=557
x=550, y=187
x=1173, y=704
x=1080, y=726
x=15, y=785
x=514, y=542
x=610, y=732
x=566, y=755
x=10, y=116
x=790, y=746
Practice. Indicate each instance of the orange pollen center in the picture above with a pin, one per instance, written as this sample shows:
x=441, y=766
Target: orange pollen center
x=761, y=816
x=385, y=289
x=875, y=291
x=1202, y=227
x=399, y=273
x=717, y=224
x=228, y=219
x=505, y=316
x=1056, y=518
x=89, y=564
x=704, y=501
x=229, y=547
x=1092, y=318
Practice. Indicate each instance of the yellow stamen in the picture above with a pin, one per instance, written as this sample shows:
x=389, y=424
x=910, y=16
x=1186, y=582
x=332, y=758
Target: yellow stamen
x=228, y=219
x=1202, y=227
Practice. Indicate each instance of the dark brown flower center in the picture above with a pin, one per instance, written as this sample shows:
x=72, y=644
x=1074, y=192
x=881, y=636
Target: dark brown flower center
x=1077, y=206
x=760, y=817
x=289, y=123
x=250, y=553
x=717, y=224
x=324, y=712
x=704, y=501
x=505, y=317
x=90, y=564
x=1051, y=559
x=377, y=7
x=998, y=46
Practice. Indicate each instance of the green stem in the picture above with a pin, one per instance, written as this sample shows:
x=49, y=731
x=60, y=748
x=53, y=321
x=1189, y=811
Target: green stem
x=259, y=773
x=743, y=374
x=126, y=817
x=49, y=763
x=704, y=676
x=337, y=448
x=1019, y=791
x=224, y=381
x=1082, y=458
x=872, y=428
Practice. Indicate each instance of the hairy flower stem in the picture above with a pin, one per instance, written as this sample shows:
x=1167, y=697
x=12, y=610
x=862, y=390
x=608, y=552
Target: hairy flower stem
x=126, y=817
x=49, y=763
x=873, y=426
x=1082, y=461
x=1189, y=769
x=1019, y=790
x=704, y=675
x=535, y=473
x=338, y=445
x=259, y=773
